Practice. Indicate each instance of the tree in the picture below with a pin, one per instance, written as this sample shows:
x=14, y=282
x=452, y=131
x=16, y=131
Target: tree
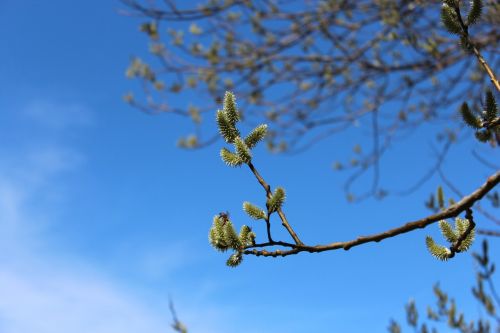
x=316, y=70
x=312, y=71
x=364, y=74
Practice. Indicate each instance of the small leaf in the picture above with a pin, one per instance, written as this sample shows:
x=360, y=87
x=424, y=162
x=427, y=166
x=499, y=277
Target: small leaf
x=242, y=150
x=256, y=136
x=468, y=117
x=254, y=211
x=438, y=251
x=476, y=7
x=229, y=158
x=276, y=200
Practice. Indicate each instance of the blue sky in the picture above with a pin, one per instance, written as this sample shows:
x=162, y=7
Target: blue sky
x=102, y=217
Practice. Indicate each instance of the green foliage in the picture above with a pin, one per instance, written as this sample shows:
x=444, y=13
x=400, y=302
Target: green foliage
x=487, y=124
x=230, y=236
x=476, y=7
x=448, y=232
x=151, y=29
x=468, y=117
x=487, y=270
x=440, y=197
x=256, y=136
x=235, y=259
x=216, y=235
x=438, y=251
x=227, y=119
x=491, y=107
x=253, y=211
x=230, y=109
x=446, y=310
x=229, y=158
x=247, y=236
x=459, y=237
x=450, y=19
x=277, y=199
x=222, y=235
x=394, y=327
x=411, y=314
x=461, y=226
x=227, y=128
x=242, y=150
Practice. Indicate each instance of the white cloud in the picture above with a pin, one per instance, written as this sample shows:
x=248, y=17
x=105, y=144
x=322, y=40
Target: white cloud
x=58, y=116
x=59, y=300
x=45, y=289
x=42, y=290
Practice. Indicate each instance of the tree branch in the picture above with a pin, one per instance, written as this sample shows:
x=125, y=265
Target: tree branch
x=449, y=212
x=282, y=216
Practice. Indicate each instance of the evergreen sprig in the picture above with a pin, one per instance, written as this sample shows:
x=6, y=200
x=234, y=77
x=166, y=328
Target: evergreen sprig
x=277, y=199
x=253, y=211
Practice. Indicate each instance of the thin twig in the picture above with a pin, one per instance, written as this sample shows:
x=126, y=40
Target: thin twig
x=282, y=216
x=488, y=232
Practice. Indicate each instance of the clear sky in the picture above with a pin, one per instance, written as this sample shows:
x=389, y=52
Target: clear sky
x=103, y=218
